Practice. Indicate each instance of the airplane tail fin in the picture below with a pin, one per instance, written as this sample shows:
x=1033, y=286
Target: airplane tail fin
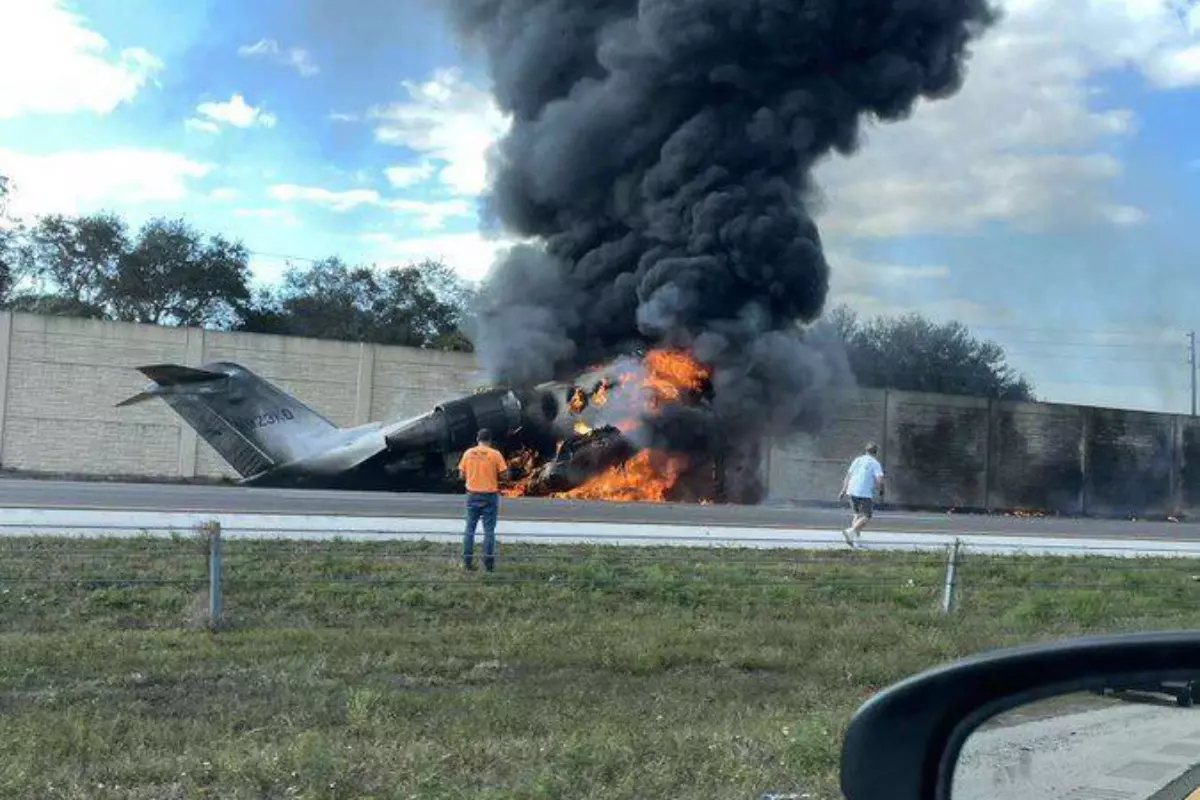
x=254, y=425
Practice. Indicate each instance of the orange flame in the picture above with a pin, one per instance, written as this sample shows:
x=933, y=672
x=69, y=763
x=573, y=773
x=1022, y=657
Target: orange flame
x=600, y=396
x=646, y=477
x=671, y=373
x=649, y=475
x=578, y=401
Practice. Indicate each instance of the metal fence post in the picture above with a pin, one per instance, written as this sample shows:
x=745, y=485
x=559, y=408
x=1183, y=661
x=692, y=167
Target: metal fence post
x=950, y=590
x=214, y=574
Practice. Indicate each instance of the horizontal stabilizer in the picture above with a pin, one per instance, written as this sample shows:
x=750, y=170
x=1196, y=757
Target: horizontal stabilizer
x=173, y=374
x=140, y=397
x=172, y=379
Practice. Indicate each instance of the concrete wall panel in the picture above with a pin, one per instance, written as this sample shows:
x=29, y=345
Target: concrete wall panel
x=60, y=379
x=1189, y=478
x=408, y=381
x=937, y=450
x=807, y=468
x=1036, y=457
x=1129, y=462
x=64, y=378
x=324, y=375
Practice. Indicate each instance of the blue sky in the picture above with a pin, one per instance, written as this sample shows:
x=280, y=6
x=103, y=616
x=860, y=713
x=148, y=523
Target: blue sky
x=1049, y=205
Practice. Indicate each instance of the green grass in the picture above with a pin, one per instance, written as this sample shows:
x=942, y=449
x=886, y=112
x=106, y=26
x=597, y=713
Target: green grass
x=380, y=670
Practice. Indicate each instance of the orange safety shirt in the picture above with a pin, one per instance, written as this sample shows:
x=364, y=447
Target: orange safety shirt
x=482, y=466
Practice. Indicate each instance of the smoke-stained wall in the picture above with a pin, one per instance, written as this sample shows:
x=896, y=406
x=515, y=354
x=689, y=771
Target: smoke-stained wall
x=811, y=467
x=1036, y=454
x=937, y=449
x=1130, y=460
x=60, y=379
x=1189, y=463
x=941, y=451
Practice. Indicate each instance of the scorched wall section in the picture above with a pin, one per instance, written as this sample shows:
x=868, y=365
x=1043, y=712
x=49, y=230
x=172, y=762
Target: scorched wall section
x=60, y=379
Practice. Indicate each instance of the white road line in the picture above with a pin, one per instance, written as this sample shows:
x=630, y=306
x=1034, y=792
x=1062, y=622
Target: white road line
x=63, y=522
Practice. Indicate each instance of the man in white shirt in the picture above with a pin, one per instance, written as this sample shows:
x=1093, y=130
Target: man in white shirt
x=863, y=479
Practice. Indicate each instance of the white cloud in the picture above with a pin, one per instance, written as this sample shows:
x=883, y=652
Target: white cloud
x=201, y=125
x=431, y=214
x=868, y=304
x=235, y=111
x=1028, y=140
x=297, y=58
x=224, y=193
x=81, y=181
x=341, y=116
x=895, y=273
x=410, y=174
x=260, y=48
x=268, y=270
x=852, y=274
x=53, y=63
x=280, y=215
x=428, y=214
x=1177, y=68
x=469, y=254
x=346, y=200
x=874, y=288
x=450, y=123
x=1025, y=141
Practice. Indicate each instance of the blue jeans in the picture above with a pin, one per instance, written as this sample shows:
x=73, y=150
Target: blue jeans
x=487, y=506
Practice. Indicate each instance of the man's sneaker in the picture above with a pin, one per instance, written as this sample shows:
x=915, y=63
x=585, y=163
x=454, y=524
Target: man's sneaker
x=850, y=536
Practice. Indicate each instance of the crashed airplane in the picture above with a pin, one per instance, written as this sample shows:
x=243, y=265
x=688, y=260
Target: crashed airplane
x=560, y=438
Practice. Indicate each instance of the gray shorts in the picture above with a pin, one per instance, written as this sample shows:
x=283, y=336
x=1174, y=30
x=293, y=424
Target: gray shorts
x=863, y=505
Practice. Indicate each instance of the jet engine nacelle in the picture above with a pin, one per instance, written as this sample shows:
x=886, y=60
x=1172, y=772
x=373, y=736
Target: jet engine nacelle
x=452, y=426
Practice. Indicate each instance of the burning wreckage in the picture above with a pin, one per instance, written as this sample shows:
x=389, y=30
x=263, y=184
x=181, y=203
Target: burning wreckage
x=658, y=172
x=596, y=437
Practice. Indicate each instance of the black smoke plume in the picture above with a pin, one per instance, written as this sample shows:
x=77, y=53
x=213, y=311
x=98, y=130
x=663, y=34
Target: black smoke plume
x=661, y=152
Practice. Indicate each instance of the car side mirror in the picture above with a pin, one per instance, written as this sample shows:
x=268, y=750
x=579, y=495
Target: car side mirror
x=1108, y=717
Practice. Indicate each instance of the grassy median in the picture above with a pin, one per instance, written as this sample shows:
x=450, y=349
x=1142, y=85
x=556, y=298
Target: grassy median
x=381, y=670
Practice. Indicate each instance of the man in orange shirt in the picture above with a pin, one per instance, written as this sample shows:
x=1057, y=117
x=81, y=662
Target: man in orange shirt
x=482, y=466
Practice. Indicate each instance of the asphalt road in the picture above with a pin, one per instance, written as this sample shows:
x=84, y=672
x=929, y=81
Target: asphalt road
x=1131, y=751
x=22, y=493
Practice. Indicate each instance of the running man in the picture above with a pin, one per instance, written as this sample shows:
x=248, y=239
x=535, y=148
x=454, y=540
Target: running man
x=482, y=467
x=863, y=479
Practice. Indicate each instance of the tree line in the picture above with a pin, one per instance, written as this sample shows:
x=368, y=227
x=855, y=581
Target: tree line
x=167, y=272
x=909, y=352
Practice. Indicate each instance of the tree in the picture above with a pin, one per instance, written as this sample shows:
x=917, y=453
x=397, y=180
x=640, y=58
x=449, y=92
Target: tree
x=327, y=300
x=7, y=267
x=418, y=305
x=423, y=305
x=168, y=275
x=912, y=353
x=172, y=276
x=448, y=286
x=72, y=261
